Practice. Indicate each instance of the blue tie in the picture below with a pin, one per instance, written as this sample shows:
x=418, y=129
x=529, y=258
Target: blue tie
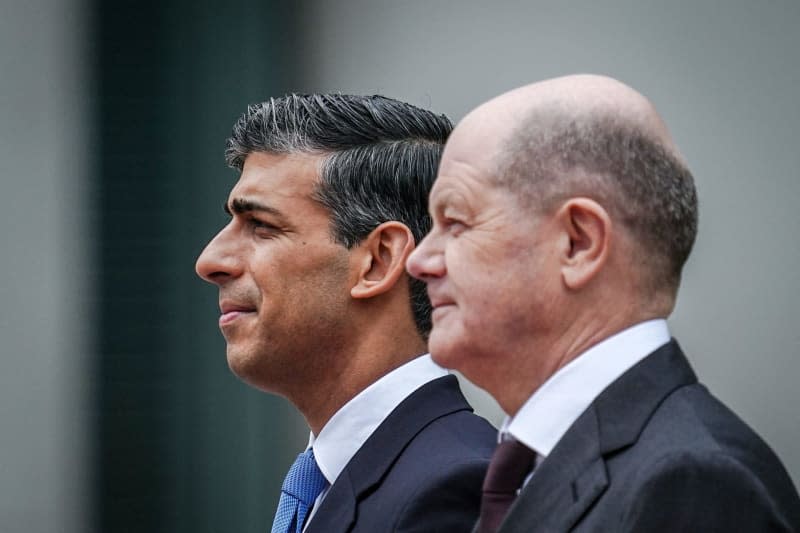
x=300, y=489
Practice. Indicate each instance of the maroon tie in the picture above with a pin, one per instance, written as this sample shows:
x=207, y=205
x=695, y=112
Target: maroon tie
x=510, y=463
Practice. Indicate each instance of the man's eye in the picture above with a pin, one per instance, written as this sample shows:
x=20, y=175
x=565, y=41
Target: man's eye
x=453, y=226
x=262, y=228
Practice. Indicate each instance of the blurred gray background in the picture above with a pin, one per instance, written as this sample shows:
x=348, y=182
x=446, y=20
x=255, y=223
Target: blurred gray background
x=117, y=411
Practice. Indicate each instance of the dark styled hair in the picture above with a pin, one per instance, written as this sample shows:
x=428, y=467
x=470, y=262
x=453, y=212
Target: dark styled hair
x=381, y=160
x=644, y=185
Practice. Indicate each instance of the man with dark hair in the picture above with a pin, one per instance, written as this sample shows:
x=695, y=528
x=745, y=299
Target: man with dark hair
x=562, y=218
x=317, y=307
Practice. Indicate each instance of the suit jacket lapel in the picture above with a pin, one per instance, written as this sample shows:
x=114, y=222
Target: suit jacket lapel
x=574, y=475
x=338, y=507
x=373, y=460
x=565, y=484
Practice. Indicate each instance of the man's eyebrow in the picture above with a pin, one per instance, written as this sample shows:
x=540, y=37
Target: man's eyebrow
x=442, y=200
x=241, y=206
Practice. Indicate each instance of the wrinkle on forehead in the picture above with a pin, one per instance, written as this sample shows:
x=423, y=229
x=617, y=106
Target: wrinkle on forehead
x=460, y=168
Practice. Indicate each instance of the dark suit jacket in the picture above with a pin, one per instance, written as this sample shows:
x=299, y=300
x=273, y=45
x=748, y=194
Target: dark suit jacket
x=657, y=452
x=421, y=470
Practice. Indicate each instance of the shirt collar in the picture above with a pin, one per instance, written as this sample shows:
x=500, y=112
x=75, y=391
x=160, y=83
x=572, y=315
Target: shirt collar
x=351, y=426
x=551, y=410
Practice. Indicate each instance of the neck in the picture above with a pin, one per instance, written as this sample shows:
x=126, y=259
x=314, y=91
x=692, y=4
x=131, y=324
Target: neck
x=563, y=345
x=375, y=353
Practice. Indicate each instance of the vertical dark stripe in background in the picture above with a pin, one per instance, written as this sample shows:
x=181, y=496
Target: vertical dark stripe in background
x=180, y=444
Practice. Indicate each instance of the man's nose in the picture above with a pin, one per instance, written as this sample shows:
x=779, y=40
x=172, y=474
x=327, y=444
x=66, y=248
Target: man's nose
x=426, y=261
x=219, y=262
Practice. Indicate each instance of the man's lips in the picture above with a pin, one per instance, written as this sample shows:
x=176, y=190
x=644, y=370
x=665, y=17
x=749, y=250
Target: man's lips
x=439, y=300
x=231, y=311
x=440, y=304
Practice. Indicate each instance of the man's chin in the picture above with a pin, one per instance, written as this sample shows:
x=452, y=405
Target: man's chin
x=444, y=349
x=239, y=361
x=251, y=367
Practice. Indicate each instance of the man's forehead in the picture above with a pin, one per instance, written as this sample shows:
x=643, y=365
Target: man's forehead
x=463, y=184
x=281, y=175
x=469, y=159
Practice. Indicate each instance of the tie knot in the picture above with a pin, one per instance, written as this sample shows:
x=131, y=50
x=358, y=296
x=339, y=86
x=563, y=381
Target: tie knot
x=305, y=480
x=511, y=462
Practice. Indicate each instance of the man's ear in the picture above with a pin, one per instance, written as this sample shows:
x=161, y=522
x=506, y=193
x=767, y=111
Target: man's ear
x=387, y=248
x=587, y=229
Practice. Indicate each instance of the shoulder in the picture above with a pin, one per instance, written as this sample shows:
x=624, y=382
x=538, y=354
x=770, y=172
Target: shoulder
x=697, y=465
x=707, y=490
x=434, y=483
x=447, y=445
x=437, y=423
x=691, y=424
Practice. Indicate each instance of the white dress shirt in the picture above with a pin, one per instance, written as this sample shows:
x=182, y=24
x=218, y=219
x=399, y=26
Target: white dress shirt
x=547, y=415
x=351, y=426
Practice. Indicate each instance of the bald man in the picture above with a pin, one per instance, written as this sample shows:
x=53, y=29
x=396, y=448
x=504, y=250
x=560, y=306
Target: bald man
x=562, y=217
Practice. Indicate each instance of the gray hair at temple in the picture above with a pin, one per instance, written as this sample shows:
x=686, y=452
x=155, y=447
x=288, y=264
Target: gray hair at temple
x=646, y=187
x=381, y=158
